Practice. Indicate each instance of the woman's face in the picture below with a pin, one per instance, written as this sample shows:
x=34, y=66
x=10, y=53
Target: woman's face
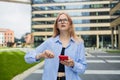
x=63, y=23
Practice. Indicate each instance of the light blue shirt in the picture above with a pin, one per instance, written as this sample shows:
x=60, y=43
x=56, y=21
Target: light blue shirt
x=74, y=50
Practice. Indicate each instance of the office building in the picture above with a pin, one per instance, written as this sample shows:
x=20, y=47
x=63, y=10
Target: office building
x=115, y=24
x=91, y=18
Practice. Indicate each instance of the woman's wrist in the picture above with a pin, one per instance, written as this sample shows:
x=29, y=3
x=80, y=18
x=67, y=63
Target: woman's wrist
x=38, y=56
x=72, y=64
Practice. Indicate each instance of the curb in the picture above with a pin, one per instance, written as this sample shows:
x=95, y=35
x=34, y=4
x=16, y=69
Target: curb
x=28, y=72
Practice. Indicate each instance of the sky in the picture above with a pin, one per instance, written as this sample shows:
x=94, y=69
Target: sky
x=15, y=16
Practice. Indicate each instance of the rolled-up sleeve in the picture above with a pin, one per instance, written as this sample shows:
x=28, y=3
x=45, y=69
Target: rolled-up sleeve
x=80, y=61
x=30, y=56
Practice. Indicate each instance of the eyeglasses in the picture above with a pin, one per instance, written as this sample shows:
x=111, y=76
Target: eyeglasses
x=63, y=20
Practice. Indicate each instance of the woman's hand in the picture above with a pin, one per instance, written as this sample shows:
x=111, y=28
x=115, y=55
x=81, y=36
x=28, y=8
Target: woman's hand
x=48, y=54
x=68, y=62
x=45, y=54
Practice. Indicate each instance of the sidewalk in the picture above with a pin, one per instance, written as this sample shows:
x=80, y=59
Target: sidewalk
x=26, y=73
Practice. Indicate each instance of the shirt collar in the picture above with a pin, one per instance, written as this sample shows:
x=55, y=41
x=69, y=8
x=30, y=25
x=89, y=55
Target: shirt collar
x=72, y=39
x=57, y=39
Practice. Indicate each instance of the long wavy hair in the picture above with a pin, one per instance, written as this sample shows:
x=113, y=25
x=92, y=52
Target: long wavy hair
x=71, y=30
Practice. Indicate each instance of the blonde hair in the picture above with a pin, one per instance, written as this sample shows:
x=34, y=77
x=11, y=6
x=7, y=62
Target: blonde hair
x=71, y=29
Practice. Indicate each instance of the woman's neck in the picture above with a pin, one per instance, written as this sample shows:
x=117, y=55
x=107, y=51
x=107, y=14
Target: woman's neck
x=64, y=35
x=64, y=38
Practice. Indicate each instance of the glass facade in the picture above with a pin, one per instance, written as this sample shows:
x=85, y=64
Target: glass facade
x=74, y=21
x=105, y=41
x=91, y=28
x=90, y=40
x=61, y=1
x=96, y=27
x=38, y=40
x=72, y=14
x=69, y=7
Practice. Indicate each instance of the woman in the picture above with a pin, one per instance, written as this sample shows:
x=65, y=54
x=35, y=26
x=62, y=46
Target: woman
x=63, y=42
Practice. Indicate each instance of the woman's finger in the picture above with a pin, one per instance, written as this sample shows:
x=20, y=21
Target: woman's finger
x=67, y=62
x=49, y=54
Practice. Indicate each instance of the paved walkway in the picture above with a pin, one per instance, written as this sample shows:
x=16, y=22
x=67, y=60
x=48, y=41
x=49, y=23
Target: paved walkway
x=101, y=66
x=27, y=73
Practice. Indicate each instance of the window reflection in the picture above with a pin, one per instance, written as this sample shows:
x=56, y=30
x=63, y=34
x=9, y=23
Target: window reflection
x=75, y=14
x=74, y=21
x=59, y=1
x=91, y=28
x=90, y=40
x=70, y=7
x=43, y=30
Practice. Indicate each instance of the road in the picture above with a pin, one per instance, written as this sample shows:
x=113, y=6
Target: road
x=101, y=66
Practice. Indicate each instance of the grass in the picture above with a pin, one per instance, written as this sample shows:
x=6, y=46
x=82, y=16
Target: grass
x=113, y=51
x=12, y=63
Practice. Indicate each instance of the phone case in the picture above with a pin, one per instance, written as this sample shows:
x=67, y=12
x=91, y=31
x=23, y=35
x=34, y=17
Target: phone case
x=63, y=57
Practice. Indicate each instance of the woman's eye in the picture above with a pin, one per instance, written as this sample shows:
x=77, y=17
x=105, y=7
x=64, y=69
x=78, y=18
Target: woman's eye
x=65, y=20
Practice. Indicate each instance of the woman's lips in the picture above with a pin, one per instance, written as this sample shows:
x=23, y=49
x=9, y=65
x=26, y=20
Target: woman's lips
x=62, y=25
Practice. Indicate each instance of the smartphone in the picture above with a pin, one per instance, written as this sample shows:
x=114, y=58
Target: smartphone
x=63, y=57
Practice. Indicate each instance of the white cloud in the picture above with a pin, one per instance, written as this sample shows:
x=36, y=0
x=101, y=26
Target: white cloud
x=15, y=16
